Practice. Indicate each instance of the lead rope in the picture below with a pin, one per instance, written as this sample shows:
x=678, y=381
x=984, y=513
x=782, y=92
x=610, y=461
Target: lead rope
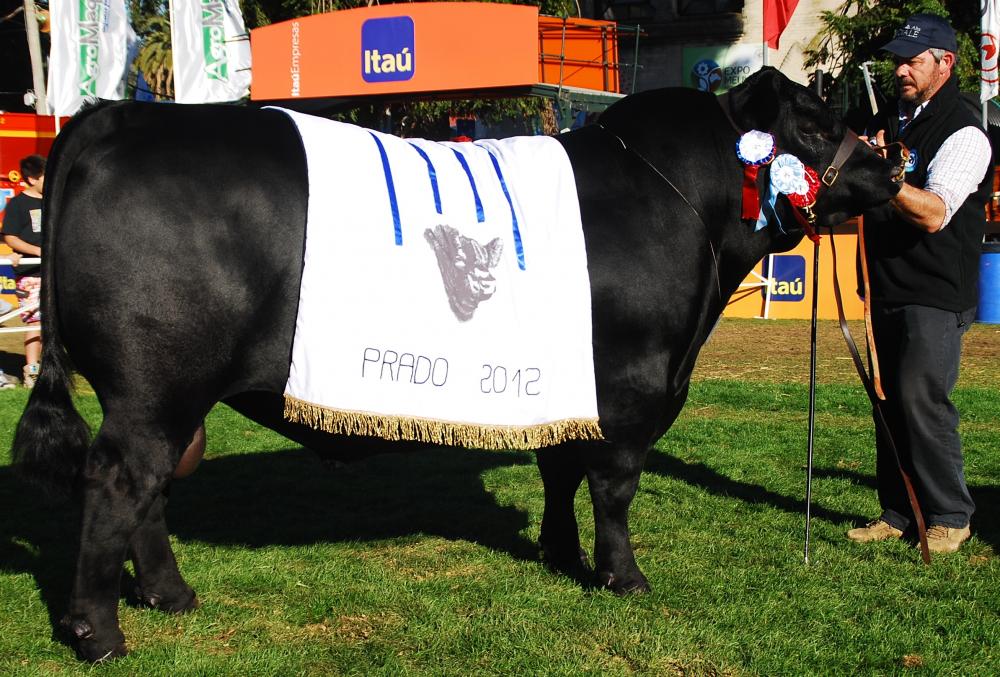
x=869, y=334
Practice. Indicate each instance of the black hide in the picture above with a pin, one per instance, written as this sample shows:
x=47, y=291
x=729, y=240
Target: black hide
x=173, y=252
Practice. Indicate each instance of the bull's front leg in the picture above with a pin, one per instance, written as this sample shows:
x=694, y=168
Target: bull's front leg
x=119, y=486
x=613, y=478
x=159, y=584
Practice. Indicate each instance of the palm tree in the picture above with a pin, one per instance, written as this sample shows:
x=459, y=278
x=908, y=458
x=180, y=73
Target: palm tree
x=155, y=59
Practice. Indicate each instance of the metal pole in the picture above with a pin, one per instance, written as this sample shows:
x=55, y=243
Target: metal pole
x=812, y=395
x=635, y=59
x=868, y=86
x=811, y=435
x=35, y=53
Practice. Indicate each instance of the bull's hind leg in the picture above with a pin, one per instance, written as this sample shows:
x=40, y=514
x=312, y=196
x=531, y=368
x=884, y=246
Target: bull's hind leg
x=613, y=478
x=127, y=467
x=159, y=584
x=562, y=472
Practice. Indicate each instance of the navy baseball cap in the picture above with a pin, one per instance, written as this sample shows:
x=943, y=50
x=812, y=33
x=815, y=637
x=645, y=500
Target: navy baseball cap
x=920, y=33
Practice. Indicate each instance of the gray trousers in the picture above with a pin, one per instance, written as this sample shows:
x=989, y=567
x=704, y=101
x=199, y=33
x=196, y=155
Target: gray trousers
x=919, y=349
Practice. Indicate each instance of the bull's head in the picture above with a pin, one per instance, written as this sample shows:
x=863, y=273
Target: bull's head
x=465, y=268
x=804, y=126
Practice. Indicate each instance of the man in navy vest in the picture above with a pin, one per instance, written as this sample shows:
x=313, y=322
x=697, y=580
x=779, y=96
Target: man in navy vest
x=923, y=256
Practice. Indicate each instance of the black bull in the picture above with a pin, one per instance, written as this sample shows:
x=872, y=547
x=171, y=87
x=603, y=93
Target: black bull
x=173, y=252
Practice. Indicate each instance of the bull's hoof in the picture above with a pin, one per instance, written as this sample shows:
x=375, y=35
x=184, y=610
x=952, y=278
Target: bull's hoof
x=634, y=584
x=187, y=601
x=90, y=645
x=572, y=562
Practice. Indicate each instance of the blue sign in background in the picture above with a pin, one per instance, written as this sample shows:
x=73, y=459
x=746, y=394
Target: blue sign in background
x=6, y=272
x=789, y=278
x=390, y=37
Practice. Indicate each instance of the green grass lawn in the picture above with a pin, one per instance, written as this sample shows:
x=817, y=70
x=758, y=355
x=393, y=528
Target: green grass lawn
x=426, y=563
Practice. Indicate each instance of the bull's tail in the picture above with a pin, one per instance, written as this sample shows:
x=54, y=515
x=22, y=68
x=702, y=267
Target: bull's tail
x=51, y=440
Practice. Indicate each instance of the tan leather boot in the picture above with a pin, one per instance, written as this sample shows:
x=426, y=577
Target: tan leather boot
x=946, y=539
x=878, y=530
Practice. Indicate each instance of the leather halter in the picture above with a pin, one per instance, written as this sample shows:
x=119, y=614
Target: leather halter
x=844, y=150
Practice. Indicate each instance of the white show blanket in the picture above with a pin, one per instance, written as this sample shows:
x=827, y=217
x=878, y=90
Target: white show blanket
x=500, y=355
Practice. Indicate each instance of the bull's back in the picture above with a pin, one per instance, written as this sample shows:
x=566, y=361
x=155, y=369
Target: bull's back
x=178, y=242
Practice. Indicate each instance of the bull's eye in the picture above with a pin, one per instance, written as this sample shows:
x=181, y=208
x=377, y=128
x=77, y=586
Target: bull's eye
x=809, y=129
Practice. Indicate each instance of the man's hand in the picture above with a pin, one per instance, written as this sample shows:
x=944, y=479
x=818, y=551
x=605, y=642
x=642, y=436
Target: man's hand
x=922, y=208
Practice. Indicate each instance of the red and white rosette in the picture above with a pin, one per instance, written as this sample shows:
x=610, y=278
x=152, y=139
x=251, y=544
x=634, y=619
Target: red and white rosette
x=791, y=177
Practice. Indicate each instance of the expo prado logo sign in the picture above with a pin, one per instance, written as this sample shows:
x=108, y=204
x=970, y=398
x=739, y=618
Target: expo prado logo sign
x=719, y=69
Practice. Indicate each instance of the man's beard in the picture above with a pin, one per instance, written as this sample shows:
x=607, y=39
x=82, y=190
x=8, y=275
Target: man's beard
x=914, y=98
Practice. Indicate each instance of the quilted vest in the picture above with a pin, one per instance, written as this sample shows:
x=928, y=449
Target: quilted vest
x=906, y=264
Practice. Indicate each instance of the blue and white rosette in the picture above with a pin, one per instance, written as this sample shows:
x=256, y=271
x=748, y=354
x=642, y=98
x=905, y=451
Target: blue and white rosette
x=788, y=175
x=755, y=148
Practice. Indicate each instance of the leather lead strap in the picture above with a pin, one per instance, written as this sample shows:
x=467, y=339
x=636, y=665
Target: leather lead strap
x=883, y=426
x=869, y=335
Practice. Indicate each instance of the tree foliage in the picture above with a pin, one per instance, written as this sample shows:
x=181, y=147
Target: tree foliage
x=856, y=32
x=155, y=58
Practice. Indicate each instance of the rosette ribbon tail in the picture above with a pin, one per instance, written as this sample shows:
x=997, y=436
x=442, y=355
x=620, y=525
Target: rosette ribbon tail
x=751, y=196
x=807, y=226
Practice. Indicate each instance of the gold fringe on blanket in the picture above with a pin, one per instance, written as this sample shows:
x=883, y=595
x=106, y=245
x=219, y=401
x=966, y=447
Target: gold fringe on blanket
x=398, y=428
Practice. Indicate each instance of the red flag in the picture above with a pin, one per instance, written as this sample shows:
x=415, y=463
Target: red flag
x=777, y=14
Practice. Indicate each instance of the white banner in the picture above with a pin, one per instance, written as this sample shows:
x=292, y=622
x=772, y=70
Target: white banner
x=989, y=45
x=89, y=53
x=462, y=272
x=211, y=51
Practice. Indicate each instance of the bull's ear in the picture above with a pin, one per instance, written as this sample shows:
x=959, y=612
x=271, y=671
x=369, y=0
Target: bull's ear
x=442, y=236
x=757, y=101
x=493, y=251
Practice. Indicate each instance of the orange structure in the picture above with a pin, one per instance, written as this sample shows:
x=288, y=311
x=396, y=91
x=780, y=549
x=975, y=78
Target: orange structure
x=21, y=134
x=578, y=53
x=431, y=49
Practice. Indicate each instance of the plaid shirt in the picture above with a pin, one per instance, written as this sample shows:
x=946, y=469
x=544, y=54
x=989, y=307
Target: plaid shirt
x=958, y=167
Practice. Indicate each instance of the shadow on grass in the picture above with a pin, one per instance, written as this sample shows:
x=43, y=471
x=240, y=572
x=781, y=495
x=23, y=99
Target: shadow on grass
x=700, y=475
x=291, y=498
x=284, y=497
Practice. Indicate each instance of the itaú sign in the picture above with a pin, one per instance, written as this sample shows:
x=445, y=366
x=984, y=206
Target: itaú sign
x=389, y=49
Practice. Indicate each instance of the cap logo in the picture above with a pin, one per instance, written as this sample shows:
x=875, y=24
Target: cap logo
x=908, y=31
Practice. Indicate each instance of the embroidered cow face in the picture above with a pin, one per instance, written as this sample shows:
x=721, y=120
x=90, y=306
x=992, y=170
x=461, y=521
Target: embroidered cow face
x=465, y=268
